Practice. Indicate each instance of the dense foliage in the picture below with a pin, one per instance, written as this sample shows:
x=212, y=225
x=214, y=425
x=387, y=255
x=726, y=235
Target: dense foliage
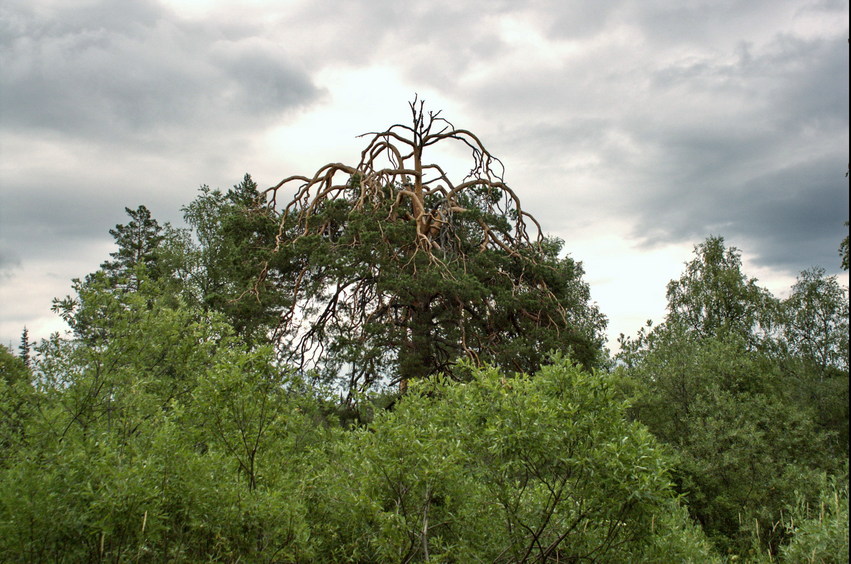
x=750, y=392
x=225, y=392
x=158, y=430
x=172, y=440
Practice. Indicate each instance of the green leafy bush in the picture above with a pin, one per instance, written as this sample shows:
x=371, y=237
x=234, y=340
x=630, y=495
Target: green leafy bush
x=533, y=468
x=819, y=530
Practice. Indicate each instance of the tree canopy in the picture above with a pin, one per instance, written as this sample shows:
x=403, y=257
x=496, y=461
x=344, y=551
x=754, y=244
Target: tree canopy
x=749, y=391
x=395, y=270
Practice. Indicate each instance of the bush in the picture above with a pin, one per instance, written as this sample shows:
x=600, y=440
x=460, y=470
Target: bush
x=819, y=531
x=506, y=470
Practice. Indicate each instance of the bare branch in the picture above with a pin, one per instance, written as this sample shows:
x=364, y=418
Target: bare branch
x=366, y=235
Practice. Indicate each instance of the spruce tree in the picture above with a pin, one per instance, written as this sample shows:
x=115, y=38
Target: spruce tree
x=138, y=242
x=25, y=348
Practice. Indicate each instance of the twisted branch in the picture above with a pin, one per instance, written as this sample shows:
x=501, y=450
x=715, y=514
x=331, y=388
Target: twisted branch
x=333, y=307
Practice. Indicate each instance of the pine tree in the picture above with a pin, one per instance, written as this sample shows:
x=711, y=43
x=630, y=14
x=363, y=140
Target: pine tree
x=394, y=270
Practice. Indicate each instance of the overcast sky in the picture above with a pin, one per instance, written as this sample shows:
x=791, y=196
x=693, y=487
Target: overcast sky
x=632, y=129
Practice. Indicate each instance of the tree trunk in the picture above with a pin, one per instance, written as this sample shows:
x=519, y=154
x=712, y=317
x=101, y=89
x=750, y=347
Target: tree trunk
x=415, y=357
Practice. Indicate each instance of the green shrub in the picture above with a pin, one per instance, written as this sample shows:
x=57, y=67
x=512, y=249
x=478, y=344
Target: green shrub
x=501, y=470
x=819, y=530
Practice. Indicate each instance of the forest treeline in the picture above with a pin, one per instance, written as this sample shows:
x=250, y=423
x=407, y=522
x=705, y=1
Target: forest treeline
x=396, y=367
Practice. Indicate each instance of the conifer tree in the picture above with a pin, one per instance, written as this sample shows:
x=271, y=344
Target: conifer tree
x=231, y=235
x=138, y=242
x=394, y=269
x=25, y=349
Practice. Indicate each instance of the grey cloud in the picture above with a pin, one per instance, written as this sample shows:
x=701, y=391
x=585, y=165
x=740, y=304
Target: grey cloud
x=557, y=142
x=794, y=216
x=795, y=80
x=577, y=20
x=134, y=69
x=828, y=5
x=87, y=18
x=746, y=137
x=63, y=218
x=706, y=24
x=332, y=31
x=814, y=92
x=64, y=225
x=432, y=43
x=62, y=209
x=9, y=261
x=262, y=83
x=793, y=87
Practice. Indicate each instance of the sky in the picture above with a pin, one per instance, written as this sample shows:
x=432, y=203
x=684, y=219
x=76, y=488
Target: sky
x=631, y=129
